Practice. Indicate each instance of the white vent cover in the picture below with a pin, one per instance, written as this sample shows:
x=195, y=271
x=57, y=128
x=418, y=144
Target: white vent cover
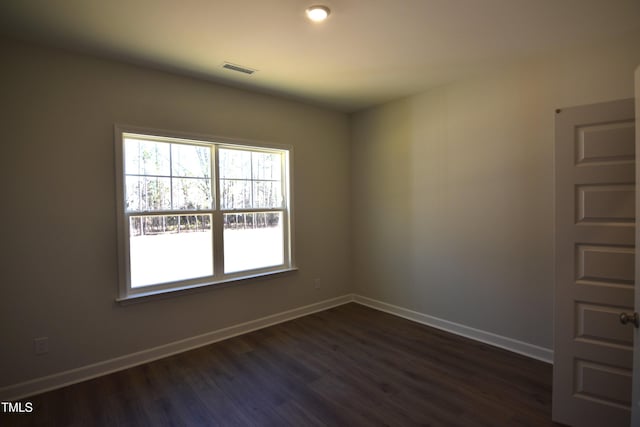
x=238, y=68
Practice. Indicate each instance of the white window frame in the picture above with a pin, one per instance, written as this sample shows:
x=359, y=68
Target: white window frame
x=219, y=277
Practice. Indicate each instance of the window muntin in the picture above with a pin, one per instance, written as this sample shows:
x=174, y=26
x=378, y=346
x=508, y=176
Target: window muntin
x=172, y=234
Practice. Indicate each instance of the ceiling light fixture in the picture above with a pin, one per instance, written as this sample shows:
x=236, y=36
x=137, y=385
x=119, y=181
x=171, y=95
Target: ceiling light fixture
x=318, y=13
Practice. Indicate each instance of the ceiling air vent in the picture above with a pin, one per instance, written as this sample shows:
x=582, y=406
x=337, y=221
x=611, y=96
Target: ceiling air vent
x=238, y=68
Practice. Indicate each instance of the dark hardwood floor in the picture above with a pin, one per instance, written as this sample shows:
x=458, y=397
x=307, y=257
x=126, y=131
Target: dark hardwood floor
x=348, y=366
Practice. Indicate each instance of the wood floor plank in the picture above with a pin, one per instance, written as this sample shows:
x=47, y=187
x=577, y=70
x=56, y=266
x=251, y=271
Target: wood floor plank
x=350, y=365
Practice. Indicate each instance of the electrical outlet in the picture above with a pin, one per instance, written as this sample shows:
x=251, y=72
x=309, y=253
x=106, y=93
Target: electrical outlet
x=316, y=283
x=41, y=345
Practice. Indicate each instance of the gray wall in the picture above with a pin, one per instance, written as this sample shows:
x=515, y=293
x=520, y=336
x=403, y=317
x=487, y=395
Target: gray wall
x=58, y=269
x=453, y=189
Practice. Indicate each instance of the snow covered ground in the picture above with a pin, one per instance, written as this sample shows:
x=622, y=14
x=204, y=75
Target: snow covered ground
x=170, y=257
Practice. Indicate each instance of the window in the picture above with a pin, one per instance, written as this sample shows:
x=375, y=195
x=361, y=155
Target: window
x=196, y=212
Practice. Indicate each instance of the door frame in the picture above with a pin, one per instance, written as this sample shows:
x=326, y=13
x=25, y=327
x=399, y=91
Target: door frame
x=635, y=395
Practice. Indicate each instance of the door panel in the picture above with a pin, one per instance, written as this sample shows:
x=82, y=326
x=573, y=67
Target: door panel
x=603, y=383
x=606, y=203
x=599, y=323
x=595, y=264
x=607, y=264
x=610, y=143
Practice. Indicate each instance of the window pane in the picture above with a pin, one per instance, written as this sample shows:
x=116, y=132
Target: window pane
x=146, y=157
x=235, y=194
x=266, y=166
x=234, y=164
x=169, y=248
x=267, y=194
x=191, y=193
x=147, y=194
x=191, y=160
x=253, y=240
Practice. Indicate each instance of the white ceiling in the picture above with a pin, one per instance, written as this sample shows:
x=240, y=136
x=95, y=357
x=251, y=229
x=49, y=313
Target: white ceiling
x=367, y=52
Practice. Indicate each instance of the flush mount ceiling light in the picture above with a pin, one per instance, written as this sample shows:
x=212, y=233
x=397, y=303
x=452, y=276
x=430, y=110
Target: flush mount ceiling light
x=318, y=13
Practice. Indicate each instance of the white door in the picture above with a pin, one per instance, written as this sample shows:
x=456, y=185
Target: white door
x=595, y=264
x=636, y=338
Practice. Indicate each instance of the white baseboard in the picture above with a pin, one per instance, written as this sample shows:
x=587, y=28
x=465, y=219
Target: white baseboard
x=520, y=347
x=51, y=382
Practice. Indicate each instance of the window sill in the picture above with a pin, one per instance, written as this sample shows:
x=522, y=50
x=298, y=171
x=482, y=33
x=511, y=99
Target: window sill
x=185, y=290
